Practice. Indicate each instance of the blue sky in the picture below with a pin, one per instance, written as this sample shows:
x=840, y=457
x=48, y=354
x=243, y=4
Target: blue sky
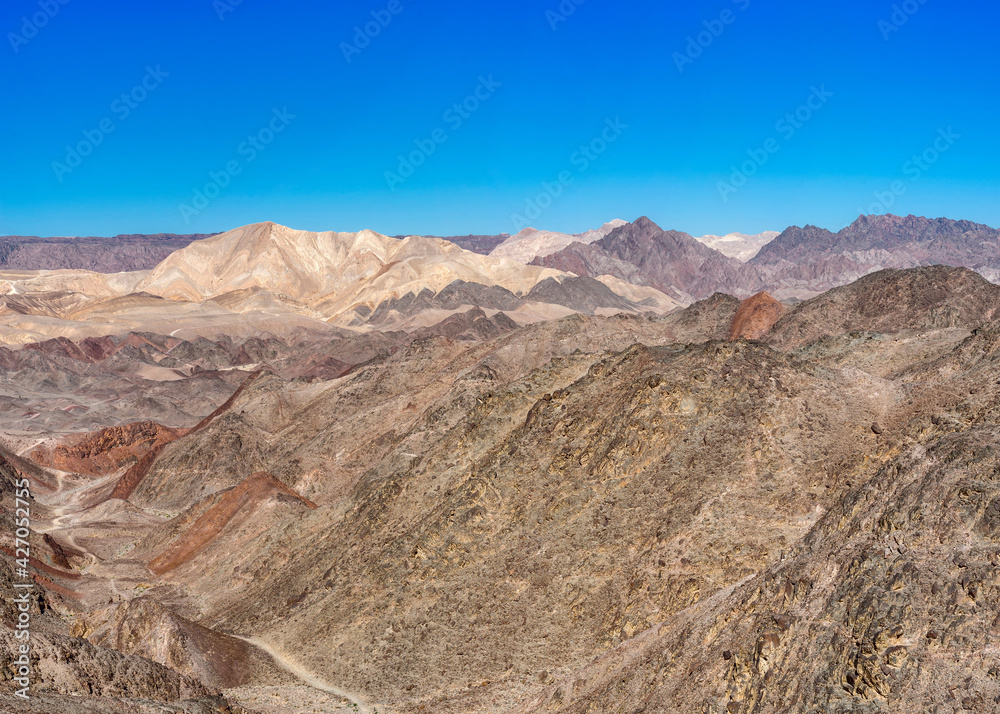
x=283, y=112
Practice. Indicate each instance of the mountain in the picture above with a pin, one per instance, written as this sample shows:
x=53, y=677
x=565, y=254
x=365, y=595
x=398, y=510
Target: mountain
x=809, y=260
x=798, y=263
x=350, y=278
x=623, y=512
x=117, y=254
x=266, y=278
x=289, y=471
x=935, y=297
x=915, y=239
x=868, y=613
x=481, y=244
x=644, y=254
x=755, y=317
x=317, y=267
x=531, y=243
x=741, y=246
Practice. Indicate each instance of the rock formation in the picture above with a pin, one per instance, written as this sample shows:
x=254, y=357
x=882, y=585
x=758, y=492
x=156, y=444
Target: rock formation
x=755, y=316
x=620, y=505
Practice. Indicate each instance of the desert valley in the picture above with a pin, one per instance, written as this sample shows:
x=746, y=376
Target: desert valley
x=626, y=470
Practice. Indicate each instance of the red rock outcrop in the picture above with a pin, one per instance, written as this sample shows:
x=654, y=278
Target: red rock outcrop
x=244, y=499
x=755, y=317
x=105, y=451
x=127, y=483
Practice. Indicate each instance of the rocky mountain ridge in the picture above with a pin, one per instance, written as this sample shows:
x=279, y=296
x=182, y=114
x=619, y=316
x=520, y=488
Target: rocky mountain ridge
x=798, y=263
x=636, y=513
x=116, y=254
x=272, y=280
x=532, y=243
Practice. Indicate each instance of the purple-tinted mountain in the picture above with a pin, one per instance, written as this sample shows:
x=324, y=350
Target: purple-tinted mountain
x=644, y=254
x=811, y=259
x=799, y=263
x=116, y=254
x=927, y=240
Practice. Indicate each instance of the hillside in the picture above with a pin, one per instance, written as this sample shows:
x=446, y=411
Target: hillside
x=613, y=504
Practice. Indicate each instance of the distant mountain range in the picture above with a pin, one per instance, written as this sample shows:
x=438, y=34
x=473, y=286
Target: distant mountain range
x=798, y=263
x=532, y=243
x=269, y=279
x=103, y=255
x=811, y=260
x=276, y=280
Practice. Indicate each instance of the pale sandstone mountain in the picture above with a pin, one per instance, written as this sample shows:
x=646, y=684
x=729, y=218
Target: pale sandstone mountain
x=269, y=279
x=532, y=243
x=326, y=268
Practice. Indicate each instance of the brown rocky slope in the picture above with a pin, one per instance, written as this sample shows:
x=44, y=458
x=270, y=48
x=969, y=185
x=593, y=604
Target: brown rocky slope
x=890, y=300
x=608, y=514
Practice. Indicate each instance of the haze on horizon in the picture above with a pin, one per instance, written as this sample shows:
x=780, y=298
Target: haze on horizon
x=710, y=118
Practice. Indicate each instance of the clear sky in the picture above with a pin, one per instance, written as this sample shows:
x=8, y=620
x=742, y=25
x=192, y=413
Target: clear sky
x=282, y=111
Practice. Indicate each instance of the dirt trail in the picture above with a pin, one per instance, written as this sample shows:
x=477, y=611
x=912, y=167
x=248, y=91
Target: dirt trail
x=306, y=676
x=67, y=510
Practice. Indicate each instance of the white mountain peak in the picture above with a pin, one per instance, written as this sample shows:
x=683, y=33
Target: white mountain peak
x=739, y=245
x=531, y=243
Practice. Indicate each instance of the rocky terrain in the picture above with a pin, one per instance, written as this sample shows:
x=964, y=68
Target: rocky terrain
x=740, y=505
x=62, y=386
x=118, y=254
x=644, y=254
x=806, y=261
x=270, y=280
x=798, y=263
